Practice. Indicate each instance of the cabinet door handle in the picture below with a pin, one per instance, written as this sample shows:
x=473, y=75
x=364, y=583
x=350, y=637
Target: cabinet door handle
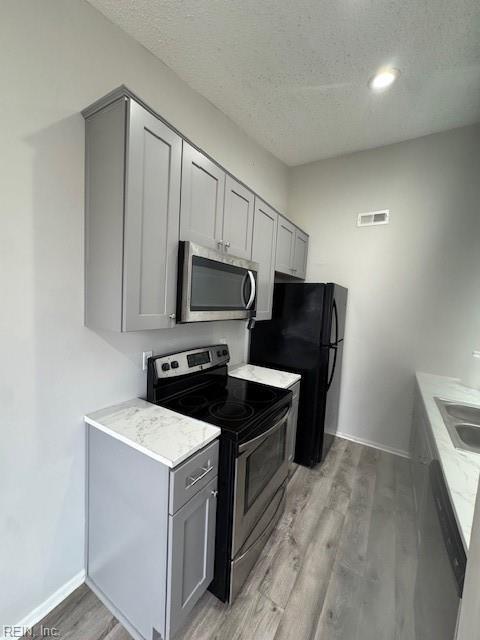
x=219, y=244
x=214, y=493
x=194, y=479
x=226, y=244
x=172, y=316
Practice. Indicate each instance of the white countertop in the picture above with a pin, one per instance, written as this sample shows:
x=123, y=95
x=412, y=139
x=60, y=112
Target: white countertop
x=460, y=468
x=272, y=377
x=159, y=433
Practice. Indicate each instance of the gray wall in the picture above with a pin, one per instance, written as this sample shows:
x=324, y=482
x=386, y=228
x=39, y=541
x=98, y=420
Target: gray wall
x=57, y=57
x=414, y=284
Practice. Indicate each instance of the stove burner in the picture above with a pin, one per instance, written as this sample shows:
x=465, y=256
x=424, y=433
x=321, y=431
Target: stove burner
x=229, y=410
x=260, y=396
x=193, y=403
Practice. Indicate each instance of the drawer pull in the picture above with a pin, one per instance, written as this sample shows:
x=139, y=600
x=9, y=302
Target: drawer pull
x=191, y=480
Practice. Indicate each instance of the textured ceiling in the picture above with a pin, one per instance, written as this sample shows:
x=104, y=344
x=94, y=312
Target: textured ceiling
x=293, y=74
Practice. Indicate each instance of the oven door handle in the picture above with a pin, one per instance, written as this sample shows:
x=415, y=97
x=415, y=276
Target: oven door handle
x=252, y=443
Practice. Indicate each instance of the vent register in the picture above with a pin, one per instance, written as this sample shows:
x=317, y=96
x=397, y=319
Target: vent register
x=373, y=218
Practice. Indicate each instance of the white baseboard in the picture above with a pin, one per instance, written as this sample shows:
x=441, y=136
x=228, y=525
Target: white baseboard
x=50, y=603
x=374, y=445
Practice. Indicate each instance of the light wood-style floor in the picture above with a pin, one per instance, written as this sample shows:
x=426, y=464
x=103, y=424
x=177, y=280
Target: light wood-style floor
x=340, y=565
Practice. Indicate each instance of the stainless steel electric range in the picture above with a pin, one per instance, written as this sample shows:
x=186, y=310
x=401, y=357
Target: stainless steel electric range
x=253, y=464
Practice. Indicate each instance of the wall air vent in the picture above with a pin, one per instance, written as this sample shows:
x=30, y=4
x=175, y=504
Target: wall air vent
x=373, y=217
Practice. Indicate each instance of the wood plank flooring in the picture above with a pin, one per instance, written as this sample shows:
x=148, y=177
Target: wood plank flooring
x=339, y=566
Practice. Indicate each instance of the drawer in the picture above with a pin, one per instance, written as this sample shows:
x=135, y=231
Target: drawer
x=192, y=476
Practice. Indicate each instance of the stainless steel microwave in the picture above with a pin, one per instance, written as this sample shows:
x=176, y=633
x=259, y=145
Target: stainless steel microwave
x=213, y=285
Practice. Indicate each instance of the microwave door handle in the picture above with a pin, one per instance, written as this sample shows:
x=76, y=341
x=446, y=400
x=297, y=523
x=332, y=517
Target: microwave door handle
x=253, y=287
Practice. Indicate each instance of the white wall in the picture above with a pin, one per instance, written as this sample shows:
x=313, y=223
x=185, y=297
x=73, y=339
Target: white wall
x=57, y=56
x=414, y=285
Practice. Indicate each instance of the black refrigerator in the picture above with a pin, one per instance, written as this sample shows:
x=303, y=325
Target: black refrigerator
x=305, y=336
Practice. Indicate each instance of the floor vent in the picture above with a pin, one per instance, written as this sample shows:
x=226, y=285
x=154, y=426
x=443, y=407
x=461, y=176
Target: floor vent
x=373, y=217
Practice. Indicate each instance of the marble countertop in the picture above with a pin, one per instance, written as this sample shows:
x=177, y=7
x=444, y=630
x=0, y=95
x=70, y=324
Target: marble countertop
x=272, y=377
x=159, y=433
x=460, y=468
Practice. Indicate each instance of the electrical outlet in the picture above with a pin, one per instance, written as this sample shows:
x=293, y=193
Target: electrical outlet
x=145, y=357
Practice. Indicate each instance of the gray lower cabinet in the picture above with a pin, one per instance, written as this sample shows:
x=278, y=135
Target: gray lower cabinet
x=238, y=219
x=263, y=252
x=191, y=555
x=420, y=451
x=203, y=192
x=133, y=169
x=292, y=421
x=150, y=534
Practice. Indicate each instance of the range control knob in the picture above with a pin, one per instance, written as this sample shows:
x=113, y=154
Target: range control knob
x=225, y=352
x=219, y=353
x=165, y=366
x=174, y=364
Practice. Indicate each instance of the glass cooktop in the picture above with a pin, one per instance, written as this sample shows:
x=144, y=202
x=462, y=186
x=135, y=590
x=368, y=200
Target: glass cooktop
x=230, y=403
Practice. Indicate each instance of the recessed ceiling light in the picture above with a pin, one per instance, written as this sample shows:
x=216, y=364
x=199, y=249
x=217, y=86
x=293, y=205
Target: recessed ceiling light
x=383, y=79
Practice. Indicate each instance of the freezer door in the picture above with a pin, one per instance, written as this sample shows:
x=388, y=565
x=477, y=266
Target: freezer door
x=339, y=312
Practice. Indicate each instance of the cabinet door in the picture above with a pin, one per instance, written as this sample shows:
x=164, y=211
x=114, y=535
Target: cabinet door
x=263, y=252
x=152, y=205
x=238, y=219
x=285, y=246
x=191, y=551
x=203, y=190
x=421, y=455
x=300, y=254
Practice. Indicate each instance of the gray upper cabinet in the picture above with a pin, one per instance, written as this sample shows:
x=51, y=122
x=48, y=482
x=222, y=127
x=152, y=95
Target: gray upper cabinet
x=146, y=188
x=203, y=192
x=300, y=254
x=292, y=249
x=238, y=219
x=133, y=169
x=263, y=252
x=285, y=246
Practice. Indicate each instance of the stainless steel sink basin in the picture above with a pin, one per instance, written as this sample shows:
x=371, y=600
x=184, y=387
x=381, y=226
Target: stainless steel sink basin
x=463, y=412
x=469, y=435
x=463, y=424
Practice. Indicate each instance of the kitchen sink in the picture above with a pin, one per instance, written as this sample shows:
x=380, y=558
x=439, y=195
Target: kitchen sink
x=463, y=412
x=469, y=434
x=463, y=424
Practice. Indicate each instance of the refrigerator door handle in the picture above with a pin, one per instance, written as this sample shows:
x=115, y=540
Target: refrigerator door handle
x=335, y=315
x=335, y=351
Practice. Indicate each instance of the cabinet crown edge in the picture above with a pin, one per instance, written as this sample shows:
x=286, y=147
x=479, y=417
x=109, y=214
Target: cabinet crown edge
x=123, y=91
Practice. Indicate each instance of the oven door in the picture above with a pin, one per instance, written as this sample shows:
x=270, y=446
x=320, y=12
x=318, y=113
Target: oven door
x=214, y=286
x=260, y=469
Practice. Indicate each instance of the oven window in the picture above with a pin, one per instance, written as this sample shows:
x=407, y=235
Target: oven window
x=218, y=286
x=263, y=463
